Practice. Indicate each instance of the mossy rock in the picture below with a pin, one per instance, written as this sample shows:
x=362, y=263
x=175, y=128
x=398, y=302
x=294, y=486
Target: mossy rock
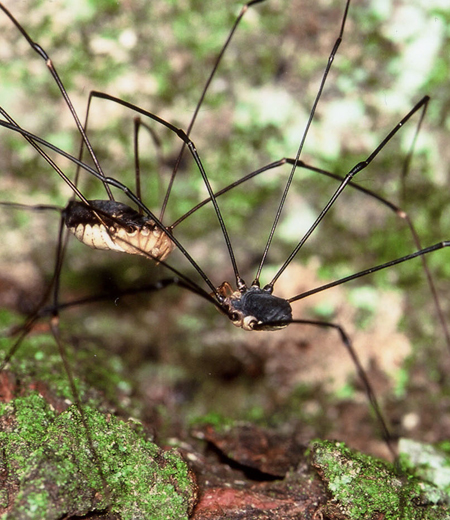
x=365, y=488
x=52, y=472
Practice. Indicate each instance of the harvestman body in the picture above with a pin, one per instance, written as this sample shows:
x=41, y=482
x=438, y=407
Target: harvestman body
x=110, y=225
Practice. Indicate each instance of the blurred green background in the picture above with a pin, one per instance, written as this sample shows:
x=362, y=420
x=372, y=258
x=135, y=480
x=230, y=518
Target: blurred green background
x=158, y=56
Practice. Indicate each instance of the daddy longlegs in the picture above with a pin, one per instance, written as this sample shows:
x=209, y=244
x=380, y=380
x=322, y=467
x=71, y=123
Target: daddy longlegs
x=232, y=301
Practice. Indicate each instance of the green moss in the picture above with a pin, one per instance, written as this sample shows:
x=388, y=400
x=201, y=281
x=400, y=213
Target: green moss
x=52, y=471
x=364, y=487
x=215, y=419
x=428, y=462
x=50, y=463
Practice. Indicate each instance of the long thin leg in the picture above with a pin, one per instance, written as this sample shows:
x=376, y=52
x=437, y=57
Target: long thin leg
x=132, y=291
x=193, y=150
x=302, y=142
x=387, y=436
x=54, y=327
x=202, y=97
x=344, y=181
x=41, y=52
x=120, y=186
x=35, y=316
x=351, y=174
x=374, y=269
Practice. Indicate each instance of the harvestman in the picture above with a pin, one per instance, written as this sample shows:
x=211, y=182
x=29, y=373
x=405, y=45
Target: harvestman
x=112, y=225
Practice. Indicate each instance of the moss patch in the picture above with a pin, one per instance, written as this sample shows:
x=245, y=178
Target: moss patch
x=363, y=487
x=52, y=471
